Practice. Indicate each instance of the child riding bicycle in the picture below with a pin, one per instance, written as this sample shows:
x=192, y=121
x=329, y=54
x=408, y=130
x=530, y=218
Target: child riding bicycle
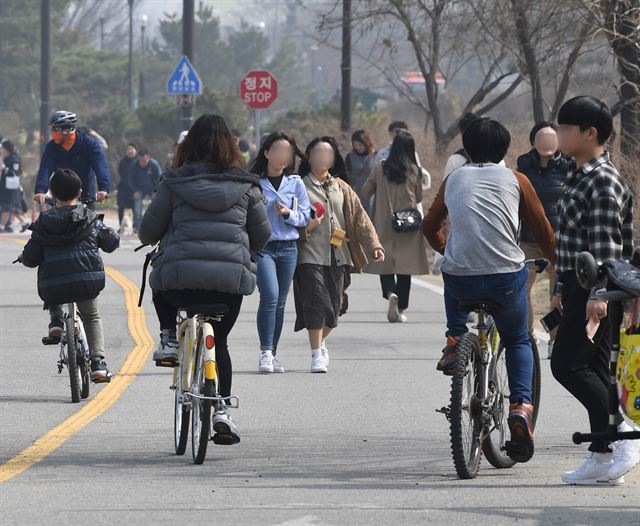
x=64, y=245
x=484, y=204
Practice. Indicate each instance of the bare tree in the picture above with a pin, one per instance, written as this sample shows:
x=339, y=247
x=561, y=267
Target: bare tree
x=546, y=39
x=444, y=38
x=87, y=15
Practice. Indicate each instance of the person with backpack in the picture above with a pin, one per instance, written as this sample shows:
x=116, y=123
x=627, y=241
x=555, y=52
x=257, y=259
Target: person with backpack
x=547, y=169
x=64, y=245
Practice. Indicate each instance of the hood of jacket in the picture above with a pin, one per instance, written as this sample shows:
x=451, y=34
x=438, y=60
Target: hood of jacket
x=206, y=187
x=64, y=225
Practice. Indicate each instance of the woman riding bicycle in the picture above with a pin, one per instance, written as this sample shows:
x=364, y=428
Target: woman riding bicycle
x=208, y=214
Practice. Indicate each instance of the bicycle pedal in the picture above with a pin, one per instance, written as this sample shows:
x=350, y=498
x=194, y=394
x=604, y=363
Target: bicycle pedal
x=167, y=363
x=105, y=380
x=50, y=340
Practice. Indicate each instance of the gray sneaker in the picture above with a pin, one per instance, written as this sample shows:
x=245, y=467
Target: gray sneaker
x=167, y=348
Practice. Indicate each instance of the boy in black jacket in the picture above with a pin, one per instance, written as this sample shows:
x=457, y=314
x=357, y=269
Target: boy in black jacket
x=64, y=245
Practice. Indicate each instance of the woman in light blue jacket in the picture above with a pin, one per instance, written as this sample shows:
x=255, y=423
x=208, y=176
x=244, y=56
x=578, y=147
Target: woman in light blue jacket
x=288, y=209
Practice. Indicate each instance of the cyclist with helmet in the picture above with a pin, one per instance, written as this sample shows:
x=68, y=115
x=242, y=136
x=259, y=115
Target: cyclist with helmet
x=75, y=150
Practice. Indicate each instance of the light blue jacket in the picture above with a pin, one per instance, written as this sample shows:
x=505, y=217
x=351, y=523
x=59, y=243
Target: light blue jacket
x=291, y=187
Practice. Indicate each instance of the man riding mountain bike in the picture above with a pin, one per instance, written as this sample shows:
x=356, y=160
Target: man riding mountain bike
x=75, y=150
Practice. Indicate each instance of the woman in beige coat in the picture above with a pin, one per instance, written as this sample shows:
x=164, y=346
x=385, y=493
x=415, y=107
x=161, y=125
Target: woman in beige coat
x=397, y=185
x=340, y=238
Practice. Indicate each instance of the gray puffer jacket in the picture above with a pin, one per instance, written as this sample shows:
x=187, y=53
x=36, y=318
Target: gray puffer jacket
x=207, y=221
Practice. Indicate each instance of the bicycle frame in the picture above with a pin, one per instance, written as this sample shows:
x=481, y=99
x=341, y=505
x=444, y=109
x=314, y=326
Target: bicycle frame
x=191, y=332
x=72, y=312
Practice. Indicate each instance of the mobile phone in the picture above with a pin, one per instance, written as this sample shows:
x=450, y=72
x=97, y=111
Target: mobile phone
x=551, y=320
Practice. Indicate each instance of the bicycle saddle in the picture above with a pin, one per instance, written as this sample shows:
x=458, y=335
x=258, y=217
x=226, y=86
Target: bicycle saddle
x=213, y=310
x=480, y=305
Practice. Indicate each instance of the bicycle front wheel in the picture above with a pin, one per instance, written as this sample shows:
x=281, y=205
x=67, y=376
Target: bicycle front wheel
x=465, y=416
x=536, y=381
x=494, y=445
x=200, y=408
x=75, y=371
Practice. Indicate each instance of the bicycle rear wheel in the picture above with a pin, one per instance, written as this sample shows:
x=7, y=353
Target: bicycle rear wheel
x=85, y=371
x=181, y=415
x=494, y=444
x=466, y=426
x=201, y=408
x=75, y=373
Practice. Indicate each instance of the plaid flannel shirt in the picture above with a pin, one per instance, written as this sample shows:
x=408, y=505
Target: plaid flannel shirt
x=595, y=214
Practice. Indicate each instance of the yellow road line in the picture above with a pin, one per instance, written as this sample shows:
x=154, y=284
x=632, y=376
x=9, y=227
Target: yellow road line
x=105, y=398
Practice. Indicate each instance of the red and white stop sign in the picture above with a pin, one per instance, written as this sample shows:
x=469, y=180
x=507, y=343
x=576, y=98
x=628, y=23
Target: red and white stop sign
x=258, y=89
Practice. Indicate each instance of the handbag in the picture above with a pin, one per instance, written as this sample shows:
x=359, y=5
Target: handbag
x=12, y=182
x=404, y=221
x=628, y=366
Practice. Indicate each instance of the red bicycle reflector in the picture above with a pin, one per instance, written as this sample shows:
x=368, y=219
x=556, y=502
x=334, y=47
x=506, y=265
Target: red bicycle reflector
x=209, y=341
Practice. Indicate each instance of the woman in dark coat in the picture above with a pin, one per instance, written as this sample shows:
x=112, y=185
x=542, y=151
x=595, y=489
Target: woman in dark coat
x=208, y=214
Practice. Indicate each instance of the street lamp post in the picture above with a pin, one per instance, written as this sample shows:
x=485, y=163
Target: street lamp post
x=130, y=71
x=102, y=20
x=143, y=25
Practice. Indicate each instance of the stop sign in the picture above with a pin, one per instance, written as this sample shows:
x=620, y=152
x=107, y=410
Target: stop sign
x=258, y=89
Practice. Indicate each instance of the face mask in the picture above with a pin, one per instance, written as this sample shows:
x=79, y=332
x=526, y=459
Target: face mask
x=65, y=141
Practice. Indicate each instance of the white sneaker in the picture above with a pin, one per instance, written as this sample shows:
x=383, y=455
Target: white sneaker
x=325, y=353
x=550, y=349
x=403, y=318
x=393, y=315
x=593, y=472
x=318, y=363
x=225, y=431
x=626, y=455
x=277, y=366
x=265, y=364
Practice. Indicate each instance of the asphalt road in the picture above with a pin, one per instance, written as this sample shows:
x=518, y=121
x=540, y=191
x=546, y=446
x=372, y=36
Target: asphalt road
x=359, y=445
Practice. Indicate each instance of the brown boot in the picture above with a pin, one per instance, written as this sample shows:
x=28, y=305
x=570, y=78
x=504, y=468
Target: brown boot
x=520, y=447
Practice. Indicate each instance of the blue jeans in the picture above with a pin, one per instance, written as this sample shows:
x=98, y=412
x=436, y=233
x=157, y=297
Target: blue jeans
x=512, y=321
x=137, y=212
x=276, y=266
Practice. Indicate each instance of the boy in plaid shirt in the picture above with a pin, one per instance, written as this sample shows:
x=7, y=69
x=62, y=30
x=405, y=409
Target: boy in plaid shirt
x=595, y=215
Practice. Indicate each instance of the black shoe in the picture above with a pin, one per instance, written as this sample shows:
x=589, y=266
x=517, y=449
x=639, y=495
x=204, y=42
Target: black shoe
x=55, y=328
x=99, y=371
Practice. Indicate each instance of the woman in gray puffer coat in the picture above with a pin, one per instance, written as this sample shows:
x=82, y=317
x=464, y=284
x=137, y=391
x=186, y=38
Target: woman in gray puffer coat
x=208, y=214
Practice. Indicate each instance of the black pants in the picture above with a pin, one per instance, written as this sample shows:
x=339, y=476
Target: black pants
x=167, y=303
x=580, y=366
x=400, y=284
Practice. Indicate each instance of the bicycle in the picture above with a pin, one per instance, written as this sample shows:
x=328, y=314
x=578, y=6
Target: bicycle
x=479, y=399
x=195, y=379
x=616, y=282
x=74, y=351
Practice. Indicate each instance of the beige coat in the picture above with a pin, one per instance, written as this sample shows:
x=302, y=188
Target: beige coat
x=405, y=252
x=362, y=238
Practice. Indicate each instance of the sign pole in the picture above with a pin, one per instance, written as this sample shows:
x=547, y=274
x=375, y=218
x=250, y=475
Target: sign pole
x=256, y=128
x=186, y=111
